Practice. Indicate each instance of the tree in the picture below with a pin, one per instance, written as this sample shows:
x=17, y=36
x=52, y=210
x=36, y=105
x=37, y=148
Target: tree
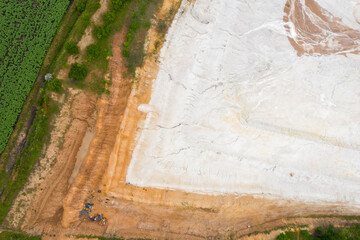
x=72, y=48
x=109, y=17
x=92, y=51
x=78, y=71
x=81, y=5
x=117, y=4
x=102, y=32
x=54, y=85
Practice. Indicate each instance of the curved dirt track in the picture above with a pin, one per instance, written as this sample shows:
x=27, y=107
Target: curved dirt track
x=145, y=212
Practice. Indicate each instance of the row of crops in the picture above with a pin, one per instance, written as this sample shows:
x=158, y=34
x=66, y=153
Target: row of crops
x=26, y=30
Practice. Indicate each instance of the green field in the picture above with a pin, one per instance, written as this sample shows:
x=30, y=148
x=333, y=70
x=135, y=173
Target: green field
x=323, y=233
x=26, y=31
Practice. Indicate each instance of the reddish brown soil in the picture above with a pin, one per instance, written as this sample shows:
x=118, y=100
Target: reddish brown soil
x=318, y=31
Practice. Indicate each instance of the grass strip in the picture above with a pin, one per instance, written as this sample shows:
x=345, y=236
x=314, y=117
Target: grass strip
x=21, y=236
x=323, y=233
x=133, y=47
x=109, y=238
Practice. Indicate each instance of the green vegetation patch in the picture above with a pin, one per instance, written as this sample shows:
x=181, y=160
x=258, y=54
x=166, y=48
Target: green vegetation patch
x=71, y=48
x=93, y=52
x=78, y=71
x=54, y=85
x=26, y=31
x=17, y=236
x=133, y=47
x=109, y=238
x=30, y=153
x=323, y=233
x=81, y=14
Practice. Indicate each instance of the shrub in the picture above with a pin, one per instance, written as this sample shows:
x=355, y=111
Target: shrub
x=54, y=85
x=71, y=48
x=298, y=235
x=85, y=19
x=97, y=4
x=102, y=32
x=161, y=26
x=92, y=51
x=81, y=5
x=323, y=233
x=117, y=4
x=109, y=17
x=328, y=233
x=78, y=71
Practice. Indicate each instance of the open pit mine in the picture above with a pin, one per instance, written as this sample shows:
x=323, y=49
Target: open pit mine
x=247, y=119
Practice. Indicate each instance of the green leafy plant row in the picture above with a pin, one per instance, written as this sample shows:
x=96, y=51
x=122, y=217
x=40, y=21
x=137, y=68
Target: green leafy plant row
x=30, y=154
x=26, y=31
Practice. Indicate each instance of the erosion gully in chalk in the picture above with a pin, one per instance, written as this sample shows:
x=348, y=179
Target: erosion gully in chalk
x=256, y=97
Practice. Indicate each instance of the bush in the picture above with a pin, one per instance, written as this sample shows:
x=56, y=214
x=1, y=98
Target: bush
x=298, y=235
x=102, y=32
x=78, y=72
x=85, y=19
x=92, y=51
x=97, y=4
x=323, y=233
x=117, y=4
x=328, y=233
x=161, y=26
x=54, y=85
x=81, y=5
x=71, y=48
x=109, y=17
x=125, y=52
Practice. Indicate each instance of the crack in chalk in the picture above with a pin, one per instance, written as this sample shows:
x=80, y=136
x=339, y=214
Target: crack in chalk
x=171, y=154
x=176, y=82
x=212, y=86
x=180, y=150
x=178, y=125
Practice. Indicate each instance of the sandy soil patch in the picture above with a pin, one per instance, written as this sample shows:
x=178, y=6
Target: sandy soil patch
x=48, y=202
x=22, y=203
x=88, y=38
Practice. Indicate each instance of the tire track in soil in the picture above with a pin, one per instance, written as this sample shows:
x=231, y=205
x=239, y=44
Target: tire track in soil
x=110, y=113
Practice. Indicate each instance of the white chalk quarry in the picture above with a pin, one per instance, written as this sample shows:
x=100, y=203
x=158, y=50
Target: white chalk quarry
x=239, y=112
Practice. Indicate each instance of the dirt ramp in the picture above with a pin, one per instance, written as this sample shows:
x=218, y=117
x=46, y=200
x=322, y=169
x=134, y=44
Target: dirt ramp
x=110, y=111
